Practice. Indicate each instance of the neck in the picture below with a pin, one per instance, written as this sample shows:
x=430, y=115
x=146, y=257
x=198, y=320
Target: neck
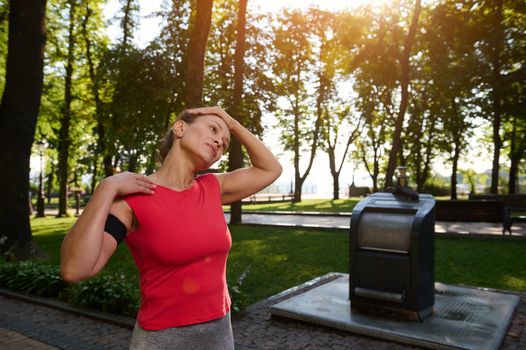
x=174, y=174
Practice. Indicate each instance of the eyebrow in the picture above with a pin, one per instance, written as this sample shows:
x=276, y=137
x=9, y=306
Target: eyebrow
x=219, y=125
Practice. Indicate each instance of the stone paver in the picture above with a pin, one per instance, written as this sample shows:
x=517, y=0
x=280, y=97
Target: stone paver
x=257, y=330
x=60, y=329
x=36, y=325
x=10, y=340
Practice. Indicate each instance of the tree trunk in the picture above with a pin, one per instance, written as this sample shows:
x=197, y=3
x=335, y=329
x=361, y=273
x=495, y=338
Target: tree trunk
x=332, y=161
x=516, y=155
x=132, y=161
x=94, y=177
x=18, y=116
x=64, y=141
x=497, y=43
x=235, y=159
x=49, y=182
x=101, y=139
x=456, y=154
x=335, y=174
x=196, y=53
x=404, y=82
x=127, y=25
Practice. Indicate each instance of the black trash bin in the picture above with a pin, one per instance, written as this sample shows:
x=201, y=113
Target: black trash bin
x=392, y=256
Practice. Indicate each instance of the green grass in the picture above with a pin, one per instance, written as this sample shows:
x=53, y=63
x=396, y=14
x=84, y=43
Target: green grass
x=322, y=205
x=265, y=260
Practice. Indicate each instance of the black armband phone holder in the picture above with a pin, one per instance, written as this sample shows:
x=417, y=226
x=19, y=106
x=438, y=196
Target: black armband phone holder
x=116, y=228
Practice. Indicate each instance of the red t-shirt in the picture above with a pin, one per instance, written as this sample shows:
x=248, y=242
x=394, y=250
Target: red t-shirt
x=180, y=248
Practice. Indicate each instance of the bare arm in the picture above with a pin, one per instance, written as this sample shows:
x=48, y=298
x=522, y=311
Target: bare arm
x=86, y=248
x=244, y=182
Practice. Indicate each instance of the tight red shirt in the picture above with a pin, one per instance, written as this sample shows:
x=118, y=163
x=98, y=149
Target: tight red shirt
x=180, y=248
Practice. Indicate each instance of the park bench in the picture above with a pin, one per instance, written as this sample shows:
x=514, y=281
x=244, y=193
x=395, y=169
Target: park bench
x=268, y=198
x=484, y=210
x=513, y=204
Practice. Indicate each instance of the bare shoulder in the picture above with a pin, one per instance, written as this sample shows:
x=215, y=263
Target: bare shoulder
x=220, y=178
x=124, y=213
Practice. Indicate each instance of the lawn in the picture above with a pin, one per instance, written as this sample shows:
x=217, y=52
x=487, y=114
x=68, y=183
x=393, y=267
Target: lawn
x=265, y=260
x=321, y=205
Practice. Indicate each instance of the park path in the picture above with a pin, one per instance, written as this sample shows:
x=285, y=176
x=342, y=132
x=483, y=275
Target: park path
x=342, y=221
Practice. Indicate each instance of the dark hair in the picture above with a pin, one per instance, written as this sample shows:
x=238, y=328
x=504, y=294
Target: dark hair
x=168, y=139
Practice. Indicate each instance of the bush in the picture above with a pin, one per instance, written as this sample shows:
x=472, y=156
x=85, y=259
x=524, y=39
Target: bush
x=108, y=293
x=436, y=190
x=32, y=278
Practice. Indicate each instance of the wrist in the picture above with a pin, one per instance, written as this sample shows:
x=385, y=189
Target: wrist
x=235, y=126
x=105, y=186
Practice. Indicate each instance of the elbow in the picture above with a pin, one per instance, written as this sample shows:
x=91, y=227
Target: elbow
x=278, y=171
x=70, y=275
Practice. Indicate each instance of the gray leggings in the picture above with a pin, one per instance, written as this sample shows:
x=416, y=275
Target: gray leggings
x=212, y=335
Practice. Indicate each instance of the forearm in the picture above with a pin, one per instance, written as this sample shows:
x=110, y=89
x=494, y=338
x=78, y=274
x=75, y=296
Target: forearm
x=82, y=245
x=260, y=156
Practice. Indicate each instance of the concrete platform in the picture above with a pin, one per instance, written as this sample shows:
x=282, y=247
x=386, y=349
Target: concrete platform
x=463, y=318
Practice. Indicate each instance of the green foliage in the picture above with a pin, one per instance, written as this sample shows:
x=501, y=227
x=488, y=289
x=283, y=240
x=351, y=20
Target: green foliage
x=318, y=205
x=32, y=278
x=109, y=293
x=343, y=66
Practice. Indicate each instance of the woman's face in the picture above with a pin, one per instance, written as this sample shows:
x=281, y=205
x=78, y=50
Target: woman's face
x=207, y=138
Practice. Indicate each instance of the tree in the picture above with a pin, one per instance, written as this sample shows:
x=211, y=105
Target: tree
x=64, y=137
x=335, y=37
x=196, y=53
x=292, y=72
x=442, y=89
x=375, y=72
x=89, y=30
x=18, y=115
x=500, y=50
x=404, y=83
x=235, y=159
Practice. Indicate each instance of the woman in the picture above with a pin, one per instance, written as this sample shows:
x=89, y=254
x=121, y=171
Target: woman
x=173, y=223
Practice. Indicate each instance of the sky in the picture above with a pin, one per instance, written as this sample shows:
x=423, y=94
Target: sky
x=319, y=180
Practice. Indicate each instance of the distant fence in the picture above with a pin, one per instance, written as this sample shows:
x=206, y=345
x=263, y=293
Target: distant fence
x=265, y=198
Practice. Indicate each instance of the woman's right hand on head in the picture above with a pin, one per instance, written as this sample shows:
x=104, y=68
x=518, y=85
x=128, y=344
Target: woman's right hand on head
x=127, y=183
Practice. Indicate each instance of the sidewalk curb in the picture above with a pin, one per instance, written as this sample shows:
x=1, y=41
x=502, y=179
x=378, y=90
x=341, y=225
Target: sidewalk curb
x=121, y=321
x=479, y=235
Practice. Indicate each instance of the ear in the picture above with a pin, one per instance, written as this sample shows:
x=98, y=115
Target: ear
x=178, y=128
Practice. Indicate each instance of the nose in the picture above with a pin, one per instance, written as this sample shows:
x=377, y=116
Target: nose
x=218, y=143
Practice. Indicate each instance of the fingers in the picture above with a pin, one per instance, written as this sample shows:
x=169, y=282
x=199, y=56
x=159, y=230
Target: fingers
x=208, y=110
x=140, y=183
x=145, y=184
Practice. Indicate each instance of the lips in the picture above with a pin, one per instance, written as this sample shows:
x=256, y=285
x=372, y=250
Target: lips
x=214, y=151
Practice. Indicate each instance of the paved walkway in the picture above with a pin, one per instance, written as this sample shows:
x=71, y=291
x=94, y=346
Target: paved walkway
x=342, y=221
x=28, y=325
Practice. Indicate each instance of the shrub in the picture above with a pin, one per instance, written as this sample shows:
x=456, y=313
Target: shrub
x=32, y=278
x=436, y=190
x=108, y=293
